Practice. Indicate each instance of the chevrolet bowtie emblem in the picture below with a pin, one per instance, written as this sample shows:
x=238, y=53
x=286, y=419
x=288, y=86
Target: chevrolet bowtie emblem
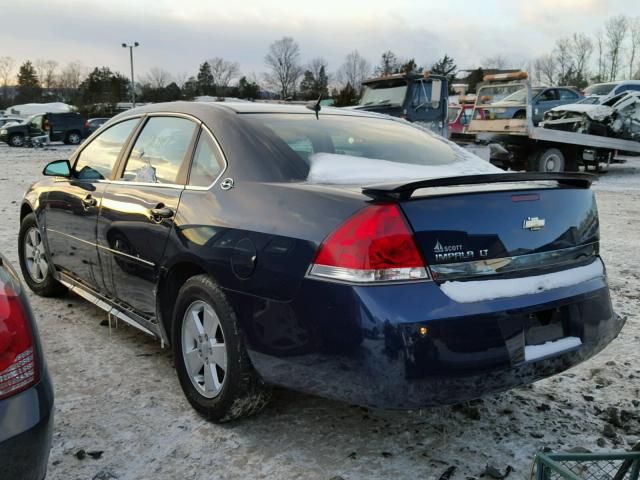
x=533, y=223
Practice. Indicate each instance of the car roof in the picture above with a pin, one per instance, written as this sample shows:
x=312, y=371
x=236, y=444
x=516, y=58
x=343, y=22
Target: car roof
x=245, y=107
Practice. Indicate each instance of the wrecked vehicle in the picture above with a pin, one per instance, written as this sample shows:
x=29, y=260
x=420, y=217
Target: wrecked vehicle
x=618, y=117
x=416, y=97
x=329, y=251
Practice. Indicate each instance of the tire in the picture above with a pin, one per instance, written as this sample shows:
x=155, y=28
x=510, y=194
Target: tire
x=73, y=138
x=17, y=140
x=234, y=389
x=35, y=266
x=549, y=160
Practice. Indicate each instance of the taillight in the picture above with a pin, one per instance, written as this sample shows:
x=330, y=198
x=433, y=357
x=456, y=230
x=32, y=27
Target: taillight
x=375, y=245
x=86, y=124
x=18, y=369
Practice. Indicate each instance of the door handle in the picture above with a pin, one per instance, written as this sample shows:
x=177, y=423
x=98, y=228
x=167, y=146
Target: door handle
x=89, y=201
x=160, y=213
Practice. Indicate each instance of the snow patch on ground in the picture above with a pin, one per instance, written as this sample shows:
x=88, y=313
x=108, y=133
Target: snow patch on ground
x=480, y=290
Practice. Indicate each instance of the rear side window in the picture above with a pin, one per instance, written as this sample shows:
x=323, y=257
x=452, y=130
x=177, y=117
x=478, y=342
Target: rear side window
x=207, y=162
x=96, y=161
x=160, y=150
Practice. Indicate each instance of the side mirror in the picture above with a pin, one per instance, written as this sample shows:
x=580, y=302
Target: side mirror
x=58, y=168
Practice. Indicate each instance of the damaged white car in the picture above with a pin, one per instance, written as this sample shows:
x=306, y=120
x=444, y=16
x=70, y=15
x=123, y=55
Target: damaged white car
x=617, y=117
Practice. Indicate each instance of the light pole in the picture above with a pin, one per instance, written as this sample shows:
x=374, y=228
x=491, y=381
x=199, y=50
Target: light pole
x=133, y=84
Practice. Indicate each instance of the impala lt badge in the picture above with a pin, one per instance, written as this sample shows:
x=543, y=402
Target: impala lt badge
x=533, y=223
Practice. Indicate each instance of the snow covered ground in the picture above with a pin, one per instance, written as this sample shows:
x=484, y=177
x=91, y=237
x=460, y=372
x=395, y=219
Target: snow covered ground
x=118, y=393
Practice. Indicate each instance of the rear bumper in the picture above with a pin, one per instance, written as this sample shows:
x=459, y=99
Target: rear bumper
x=364, y=344
x=26, y=427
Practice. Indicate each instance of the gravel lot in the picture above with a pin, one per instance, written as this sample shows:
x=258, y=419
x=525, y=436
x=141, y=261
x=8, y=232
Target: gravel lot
x=117, y=391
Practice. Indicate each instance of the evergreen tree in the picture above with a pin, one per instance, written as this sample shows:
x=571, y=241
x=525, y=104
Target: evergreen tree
x=311, y=87
x=205, y=80
x=389, y=63
x=445, y=67
x=28, y=86
x=409, y=66
x=247, y=89
x=190, y=88
x=346, y=97
x=103, y=88
x=474, y=78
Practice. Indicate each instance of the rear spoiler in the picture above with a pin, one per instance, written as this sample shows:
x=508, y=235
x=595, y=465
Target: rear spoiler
x=403, y=191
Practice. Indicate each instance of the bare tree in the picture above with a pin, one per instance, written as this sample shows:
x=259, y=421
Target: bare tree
x=581, y=49
x=601, y=60
x=284, y=61
x=354, y=70
x=46, y=71
x=6, y=70
x=223, y=72
x=634, y=48
x=317, y=64
x=71, y=75
x=181, y=78
x=157, y=78
x=616, y=31
x=546, y=68
x=498, y=61
x=563, y=58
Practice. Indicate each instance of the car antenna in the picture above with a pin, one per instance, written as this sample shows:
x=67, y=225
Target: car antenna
x=315, y=106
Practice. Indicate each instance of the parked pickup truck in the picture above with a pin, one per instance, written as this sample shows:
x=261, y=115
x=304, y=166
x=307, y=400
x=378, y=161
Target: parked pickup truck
x=417, y=97
x=69, y=128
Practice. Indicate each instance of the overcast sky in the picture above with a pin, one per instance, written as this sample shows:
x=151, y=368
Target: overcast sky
x=178, y=35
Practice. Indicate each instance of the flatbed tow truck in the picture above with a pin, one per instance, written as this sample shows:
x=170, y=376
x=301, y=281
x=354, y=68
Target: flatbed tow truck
x=518, y=144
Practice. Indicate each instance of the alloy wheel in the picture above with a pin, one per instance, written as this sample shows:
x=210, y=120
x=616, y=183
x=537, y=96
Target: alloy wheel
x=204, y=351
x=17, y=140
x=74, y=138
x=35, y=256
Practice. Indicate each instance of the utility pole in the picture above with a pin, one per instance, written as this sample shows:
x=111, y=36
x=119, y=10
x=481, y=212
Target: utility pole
x=133, y=84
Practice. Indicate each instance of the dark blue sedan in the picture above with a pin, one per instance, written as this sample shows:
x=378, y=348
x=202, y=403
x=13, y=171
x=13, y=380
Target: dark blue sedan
x=341, y=253
x=26, y=394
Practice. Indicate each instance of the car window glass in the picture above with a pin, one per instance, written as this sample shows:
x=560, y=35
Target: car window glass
x=547, y=96
x=159, y=151
x=98, y=158
x=419, y=95
x=568, y=95
x=207, y=163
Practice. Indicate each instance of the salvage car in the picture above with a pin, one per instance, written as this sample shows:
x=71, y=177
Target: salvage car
x=341, y=253
x=543, y=99
x=26, y=393
x=618, y=116
x=602, y=91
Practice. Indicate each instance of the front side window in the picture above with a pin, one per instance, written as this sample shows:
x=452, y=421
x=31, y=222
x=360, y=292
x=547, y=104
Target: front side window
x=96, y=161
x=160, y=150
x=207, y=163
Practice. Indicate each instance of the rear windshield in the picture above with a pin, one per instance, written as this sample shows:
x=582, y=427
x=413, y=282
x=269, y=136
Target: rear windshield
x=599, y=89
x=352, y=149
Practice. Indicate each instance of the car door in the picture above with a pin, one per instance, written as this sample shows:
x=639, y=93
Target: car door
x=546, y=100
x=137, y=211
x=427, y=104
x=71, y=206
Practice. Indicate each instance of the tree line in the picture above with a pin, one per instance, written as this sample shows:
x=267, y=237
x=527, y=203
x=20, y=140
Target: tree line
x=576, y=60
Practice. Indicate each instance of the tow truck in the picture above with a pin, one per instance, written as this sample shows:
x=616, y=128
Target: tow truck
x=518, y=144
x=418, y=97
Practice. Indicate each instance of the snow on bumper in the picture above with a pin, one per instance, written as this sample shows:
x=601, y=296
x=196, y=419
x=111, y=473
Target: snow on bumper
x=481, y=290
